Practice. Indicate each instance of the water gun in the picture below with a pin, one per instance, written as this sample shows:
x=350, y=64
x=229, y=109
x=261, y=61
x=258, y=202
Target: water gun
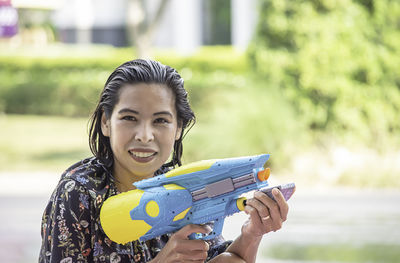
x=196, y=193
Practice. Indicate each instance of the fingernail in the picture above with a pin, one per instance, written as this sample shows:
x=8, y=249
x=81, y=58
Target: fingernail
x=275, y=191
x=208, y=229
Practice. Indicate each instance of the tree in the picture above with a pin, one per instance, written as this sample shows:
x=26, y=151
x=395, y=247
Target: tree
x=141, y=27
x=337, y=61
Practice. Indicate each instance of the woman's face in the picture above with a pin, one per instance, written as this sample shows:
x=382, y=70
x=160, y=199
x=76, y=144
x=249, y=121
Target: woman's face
x=142, y=129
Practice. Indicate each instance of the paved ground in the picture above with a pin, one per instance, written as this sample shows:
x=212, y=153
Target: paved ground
x=329, y=215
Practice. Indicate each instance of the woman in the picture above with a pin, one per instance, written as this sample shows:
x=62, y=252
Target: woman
x=140, y=120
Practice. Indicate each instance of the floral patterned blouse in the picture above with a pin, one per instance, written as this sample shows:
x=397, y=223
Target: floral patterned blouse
x=71, y=230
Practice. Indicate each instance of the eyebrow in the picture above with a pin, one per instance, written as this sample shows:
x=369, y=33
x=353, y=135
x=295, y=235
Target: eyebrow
x=163, y=113
x=125, y=110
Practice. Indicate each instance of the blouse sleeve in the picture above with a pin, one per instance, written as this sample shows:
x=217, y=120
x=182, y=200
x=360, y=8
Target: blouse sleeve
x=66, y=234
x=218, y=245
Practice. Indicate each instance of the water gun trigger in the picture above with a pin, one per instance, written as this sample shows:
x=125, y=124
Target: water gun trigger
x=216, y=227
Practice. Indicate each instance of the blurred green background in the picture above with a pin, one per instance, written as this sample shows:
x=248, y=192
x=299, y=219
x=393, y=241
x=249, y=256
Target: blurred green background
x=318, y=77
x=318, y=88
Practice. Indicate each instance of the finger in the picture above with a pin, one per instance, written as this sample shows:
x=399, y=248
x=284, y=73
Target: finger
x=190, y=256
x=254, y=216
x=273, y=207
x=191, y=246
x=264, y=214
x=200, y=256
x=283, y=205
x=260, y=207
x=187, y=230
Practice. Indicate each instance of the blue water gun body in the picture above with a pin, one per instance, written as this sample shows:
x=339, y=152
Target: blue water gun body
x=197, y=193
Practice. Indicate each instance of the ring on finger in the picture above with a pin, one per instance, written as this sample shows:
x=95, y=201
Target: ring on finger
x=266, y=218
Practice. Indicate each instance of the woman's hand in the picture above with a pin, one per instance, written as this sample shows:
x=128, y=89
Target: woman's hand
x=180, y=249
x=266, y=215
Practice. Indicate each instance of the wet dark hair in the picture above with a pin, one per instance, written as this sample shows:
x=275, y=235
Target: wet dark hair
x=133, y=72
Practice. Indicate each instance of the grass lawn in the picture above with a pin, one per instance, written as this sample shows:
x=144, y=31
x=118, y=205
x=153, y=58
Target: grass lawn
x=41, y=142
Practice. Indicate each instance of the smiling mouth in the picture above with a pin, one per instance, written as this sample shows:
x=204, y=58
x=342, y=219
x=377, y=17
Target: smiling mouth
x=142, y=157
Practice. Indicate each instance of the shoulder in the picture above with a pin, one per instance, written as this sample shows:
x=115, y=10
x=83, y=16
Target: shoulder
x=84, y=185
x=89, y=173
x=87, y=179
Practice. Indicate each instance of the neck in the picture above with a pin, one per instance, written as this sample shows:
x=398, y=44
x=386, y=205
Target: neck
x=123, y=187
x=124, y=179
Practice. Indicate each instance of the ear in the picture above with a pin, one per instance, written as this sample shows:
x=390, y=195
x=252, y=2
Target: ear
x=178, y=131
x=105, y=125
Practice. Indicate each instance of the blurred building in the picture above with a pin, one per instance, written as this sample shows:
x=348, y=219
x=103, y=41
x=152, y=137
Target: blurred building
x=35, y=26
x=184, y=25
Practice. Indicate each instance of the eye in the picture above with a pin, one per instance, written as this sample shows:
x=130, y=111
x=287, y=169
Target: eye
x=161, y=120
x=129, y=118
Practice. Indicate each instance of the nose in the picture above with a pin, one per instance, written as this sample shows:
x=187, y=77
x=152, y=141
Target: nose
x=144, y=133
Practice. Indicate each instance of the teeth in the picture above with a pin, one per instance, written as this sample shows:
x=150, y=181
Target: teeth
x=141, y=154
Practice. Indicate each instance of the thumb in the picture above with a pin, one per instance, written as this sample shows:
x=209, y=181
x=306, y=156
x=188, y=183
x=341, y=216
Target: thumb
x=187, y=230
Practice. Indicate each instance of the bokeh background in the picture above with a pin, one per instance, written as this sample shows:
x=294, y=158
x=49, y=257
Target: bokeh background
x=315, y=83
